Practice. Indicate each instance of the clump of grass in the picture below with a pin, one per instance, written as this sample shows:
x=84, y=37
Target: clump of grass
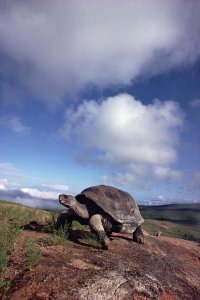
x=93, y=239
x=50, y=223
x=8, y=235
x=32, y=252
x=58, y=237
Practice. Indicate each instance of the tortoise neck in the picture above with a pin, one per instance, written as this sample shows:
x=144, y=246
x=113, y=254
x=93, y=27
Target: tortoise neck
x=80, y=210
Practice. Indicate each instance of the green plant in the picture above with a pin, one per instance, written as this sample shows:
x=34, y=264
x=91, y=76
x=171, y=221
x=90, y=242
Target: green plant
x=93, y=239
x=32, y=252
x=8, y=235
x=58, y=237
x=50, y=223
x=4, y=285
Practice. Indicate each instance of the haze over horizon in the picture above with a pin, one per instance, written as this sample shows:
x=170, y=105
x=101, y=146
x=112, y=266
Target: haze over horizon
x=100, y=92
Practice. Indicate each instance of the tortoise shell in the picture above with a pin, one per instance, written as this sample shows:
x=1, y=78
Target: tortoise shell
x=119, y=204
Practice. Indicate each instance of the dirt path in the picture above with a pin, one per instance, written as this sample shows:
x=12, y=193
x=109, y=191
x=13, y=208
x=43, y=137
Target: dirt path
x=163, y=268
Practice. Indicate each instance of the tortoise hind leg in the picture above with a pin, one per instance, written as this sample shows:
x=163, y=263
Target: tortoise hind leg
x=138, y=235
x=96, y=226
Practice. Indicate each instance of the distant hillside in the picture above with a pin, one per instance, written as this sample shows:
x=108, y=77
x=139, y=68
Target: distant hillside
x=186, y=214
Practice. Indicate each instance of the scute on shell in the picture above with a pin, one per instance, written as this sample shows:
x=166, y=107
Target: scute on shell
x=119, y=204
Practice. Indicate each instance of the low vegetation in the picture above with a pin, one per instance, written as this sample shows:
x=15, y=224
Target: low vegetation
x=184, y=214
x=93, y=239
x=8, y=235
x=12, y=219
x=15, y=213
x=173, y=220
x=32, y=253
x=172, y=230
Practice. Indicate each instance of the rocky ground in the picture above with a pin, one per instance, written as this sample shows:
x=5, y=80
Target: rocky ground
x=163, y=268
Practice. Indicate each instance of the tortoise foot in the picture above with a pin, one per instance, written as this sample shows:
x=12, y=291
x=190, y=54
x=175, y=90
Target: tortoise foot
x=104, y=240
x=138, y=235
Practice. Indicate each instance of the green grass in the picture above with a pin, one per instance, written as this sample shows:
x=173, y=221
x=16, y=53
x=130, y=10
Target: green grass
x=93, y=239
x=173, y=220
x=57, y=237
x=172, y=230
x=14, y=213
x=8, y=235
x=12, y=216
x=32, y=253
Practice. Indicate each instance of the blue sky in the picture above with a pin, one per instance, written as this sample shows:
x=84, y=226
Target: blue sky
x=105, y=92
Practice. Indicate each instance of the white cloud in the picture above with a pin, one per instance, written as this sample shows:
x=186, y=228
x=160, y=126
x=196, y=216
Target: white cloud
x=15, y=189
x=139, y=140
x=7, y=186
x=165, y=172
x=31, y=197
x=14, y=124
x=35, y=193
x=126, y=130
x=59, y=187
x=121, y=179
x=61, y=46
x=3, y=183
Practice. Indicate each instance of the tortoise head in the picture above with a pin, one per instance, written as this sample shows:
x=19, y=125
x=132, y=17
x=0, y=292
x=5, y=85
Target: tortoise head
x=67, y=200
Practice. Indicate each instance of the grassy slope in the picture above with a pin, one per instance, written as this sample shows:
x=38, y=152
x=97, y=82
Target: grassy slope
x=177, y=220
x=16, y=213
x=185, y=214
x=12, y=217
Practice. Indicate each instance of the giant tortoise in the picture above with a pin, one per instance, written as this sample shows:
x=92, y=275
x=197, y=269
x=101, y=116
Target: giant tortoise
x=105, y=209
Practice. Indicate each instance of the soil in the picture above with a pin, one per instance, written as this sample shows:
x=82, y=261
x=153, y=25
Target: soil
x=163, y=268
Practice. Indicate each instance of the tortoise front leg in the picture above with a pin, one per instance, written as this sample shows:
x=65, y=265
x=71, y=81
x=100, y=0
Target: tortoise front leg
x=96, y=226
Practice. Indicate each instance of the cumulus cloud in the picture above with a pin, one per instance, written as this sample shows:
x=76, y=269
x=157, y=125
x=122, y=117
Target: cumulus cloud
x=122, y=131
x=35, y=193
x=14, y=124
x=127, y=130
x=3, y=183
x=43, y=196
x=31, y=197
x=61, y=46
